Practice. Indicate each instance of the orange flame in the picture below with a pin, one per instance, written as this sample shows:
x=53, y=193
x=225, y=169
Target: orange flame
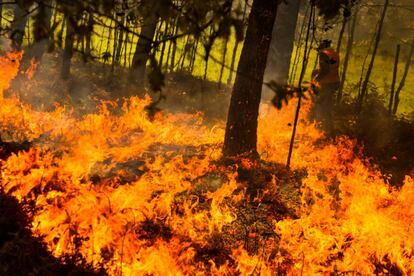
x=139, y=196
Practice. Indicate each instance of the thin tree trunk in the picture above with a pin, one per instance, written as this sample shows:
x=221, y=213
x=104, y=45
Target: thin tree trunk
x=107, y=54
x=281, y=48
x=235, y=50
x=126, y=56
x=223, y=61
x=60, y=33
x=88, y=39
x=301, y=77
x=402, y=82
x=364, y=89
x=293, y=69
x=68, y=51
x=143, y=49
x=233, y=62
x=241, y=128
x=348, y=53
x=341, y=33
x=164, y=43
x=117, y=35
x=170, y=44
x=394, y=78
x=41, y=32
x=193, y=55
x=18, y=26
x=51, y=46
x=184, y=54
x=174, y=49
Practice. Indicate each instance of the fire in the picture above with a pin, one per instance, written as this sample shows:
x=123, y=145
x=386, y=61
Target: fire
x=135, y=196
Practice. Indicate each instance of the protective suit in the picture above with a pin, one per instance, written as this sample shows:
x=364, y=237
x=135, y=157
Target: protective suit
x=327, y=76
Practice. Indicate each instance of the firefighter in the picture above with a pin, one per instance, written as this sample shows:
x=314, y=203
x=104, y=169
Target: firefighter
x=327, y=77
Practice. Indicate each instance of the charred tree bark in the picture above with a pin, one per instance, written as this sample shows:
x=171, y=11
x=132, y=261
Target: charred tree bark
x=281, y=48
x=402, y=82
x=143, y=49
x=68, y=51
x=348, y=53
x=364, y=89
x=241, y=128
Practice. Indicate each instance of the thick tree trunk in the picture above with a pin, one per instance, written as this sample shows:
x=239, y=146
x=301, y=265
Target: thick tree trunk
x=18, y=26
x=241, y=129
x=68, y=51
x=143, y=49
x=283, y=38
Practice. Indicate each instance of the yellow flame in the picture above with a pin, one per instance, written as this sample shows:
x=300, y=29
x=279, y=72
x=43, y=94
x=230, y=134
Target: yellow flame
x=147, y=197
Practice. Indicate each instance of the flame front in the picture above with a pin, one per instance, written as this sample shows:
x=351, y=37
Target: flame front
x=140, y=196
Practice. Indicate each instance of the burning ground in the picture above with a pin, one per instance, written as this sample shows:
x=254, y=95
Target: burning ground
x=129, y=195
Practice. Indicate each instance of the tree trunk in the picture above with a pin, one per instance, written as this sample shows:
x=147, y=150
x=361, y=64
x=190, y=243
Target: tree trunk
x=394, y=78
x=348, y=53
x=341, y=33
x=18, y=26
x=51, y=46
x=223, y=61
x=296, y=60
x=241, y=128
x=280, y=53
x=402, y=82
x=364, y=88
x=88, y=39
x=68, y=51
x=193, y=56
x=164, y=43
x=41, y=32
x=174, y=49
x=143, y=49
